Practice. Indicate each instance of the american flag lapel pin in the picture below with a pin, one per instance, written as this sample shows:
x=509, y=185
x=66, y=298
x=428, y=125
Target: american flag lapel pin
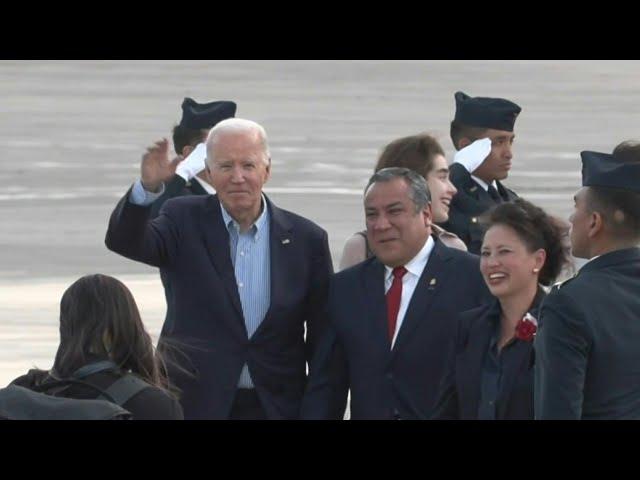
x=432, y=284
x=285, y=241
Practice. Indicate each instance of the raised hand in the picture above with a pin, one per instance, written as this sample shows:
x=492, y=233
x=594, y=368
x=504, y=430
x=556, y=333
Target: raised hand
x=156, y=167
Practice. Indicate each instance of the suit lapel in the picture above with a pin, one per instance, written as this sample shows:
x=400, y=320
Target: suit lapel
x=472, y=359
x=376, y=302
x=280, y=243
x=429, y=284
x=520, y=361
x=216, y=239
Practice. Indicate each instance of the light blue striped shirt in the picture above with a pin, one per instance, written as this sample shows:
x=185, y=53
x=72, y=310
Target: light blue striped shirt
x=250, y=255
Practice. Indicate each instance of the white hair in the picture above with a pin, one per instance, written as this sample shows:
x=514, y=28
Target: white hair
x=239, y=125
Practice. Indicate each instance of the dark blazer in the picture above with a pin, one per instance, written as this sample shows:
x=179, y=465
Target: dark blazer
x=460, y=391
x=588, y=344
x=356, y=352
x=151, y=403
x=468, y=204
x=190, y=243
x=176, y=187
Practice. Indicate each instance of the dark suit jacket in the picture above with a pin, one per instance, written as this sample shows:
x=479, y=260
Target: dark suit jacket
x=356, y=352
x=190, y=243
x=468, y=204
x=176, y=187
x=588, y=344
x=460, y=391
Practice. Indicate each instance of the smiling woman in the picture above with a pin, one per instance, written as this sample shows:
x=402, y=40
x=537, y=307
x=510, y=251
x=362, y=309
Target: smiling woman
x=491, y=369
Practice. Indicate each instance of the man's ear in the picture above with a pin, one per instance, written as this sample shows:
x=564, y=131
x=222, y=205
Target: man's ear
x=596, y=224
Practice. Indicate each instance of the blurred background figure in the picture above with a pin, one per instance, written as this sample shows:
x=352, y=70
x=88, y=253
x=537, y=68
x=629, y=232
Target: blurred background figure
x=104, y=344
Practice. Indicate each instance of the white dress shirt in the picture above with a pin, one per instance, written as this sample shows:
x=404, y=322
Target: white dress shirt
x=415, y=267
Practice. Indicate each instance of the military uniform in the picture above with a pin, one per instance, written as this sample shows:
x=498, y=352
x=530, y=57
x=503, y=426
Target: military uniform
x=588, y=343
x=471, y=201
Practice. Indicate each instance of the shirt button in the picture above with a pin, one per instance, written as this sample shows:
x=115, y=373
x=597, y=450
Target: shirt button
x=241, y=284
x=242, y=254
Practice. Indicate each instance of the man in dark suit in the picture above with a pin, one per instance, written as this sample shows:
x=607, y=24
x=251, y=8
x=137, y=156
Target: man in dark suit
x=190, y=176
x=392, y=316
x=588, y=344
x=479, y=182
x=246, y=277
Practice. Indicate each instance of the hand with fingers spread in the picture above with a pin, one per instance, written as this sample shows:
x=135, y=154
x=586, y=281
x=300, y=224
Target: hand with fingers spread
x=156, y=168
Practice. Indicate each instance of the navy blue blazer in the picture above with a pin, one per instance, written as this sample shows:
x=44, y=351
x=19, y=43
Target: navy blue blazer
x=588, y=344
x=356, y=352
x=190, y=244
x=176, y=187
x=459, y=396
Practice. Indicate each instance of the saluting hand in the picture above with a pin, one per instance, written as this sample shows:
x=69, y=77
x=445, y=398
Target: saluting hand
x=156, y=168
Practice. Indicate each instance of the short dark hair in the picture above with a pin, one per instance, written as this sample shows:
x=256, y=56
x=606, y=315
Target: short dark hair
x=536, y=229
x=417, y=184
x=99, y=317
x=183, y=137
x=415, y=152
x=620, y=209
x=458, y=131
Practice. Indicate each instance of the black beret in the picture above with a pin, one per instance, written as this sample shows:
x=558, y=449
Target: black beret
x=197, y=116
x=605, y=170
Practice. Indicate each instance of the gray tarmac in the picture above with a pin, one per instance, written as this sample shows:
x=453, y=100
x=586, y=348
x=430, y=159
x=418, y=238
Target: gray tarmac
x=73, y=133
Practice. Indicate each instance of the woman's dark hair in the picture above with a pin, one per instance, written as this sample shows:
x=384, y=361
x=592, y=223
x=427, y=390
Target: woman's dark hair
x=537, y=230
x=99, y=319
x=415, y=152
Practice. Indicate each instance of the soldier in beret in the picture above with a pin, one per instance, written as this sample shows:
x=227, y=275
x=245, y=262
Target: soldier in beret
x=478, y=180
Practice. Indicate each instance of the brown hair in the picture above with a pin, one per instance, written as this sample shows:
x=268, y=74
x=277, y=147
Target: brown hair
x=99, y=318
x=415, y=152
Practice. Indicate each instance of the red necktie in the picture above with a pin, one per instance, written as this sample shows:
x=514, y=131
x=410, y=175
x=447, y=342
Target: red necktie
x=394, y=295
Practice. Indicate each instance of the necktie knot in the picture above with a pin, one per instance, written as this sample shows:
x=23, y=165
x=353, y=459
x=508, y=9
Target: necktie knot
x=399, y=272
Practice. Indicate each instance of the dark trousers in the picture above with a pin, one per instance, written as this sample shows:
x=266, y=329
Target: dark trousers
x=247, y=406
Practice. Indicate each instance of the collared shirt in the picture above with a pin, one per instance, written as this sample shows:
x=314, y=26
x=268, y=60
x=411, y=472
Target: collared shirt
x=250, y=256
x=207, y=187
x=484, y=184
x=493, y=365
x=492, y=370
x=414, y=267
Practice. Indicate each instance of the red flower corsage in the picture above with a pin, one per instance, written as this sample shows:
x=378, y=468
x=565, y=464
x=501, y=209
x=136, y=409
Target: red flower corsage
x=526, y=328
